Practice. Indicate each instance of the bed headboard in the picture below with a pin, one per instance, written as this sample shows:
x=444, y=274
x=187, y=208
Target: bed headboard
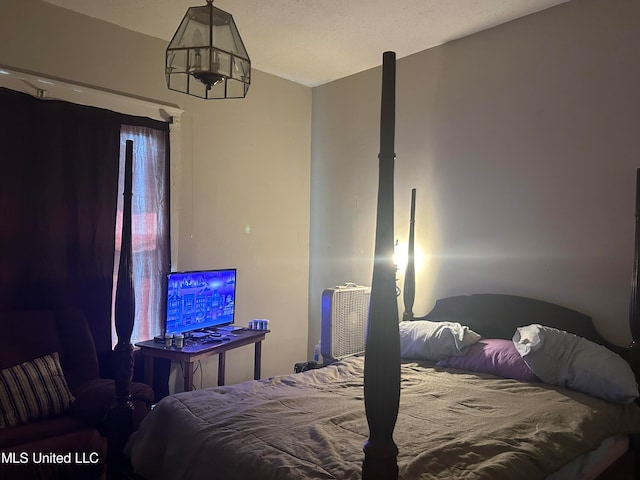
x=498, y=316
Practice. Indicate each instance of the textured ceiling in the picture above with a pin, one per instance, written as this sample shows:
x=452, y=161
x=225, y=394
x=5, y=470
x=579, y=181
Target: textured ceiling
x=315, y=41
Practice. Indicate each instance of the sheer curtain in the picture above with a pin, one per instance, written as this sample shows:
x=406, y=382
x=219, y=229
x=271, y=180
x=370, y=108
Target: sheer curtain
x=150, y=228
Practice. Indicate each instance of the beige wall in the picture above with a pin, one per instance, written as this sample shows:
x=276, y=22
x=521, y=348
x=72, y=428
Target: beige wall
x=522, y=142
x=240, y=190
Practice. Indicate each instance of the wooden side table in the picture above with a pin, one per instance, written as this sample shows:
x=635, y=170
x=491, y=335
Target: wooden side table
x=197, y=350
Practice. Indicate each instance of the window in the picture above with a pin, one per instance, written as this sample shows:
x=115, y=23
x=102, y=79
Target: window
x=149, y=228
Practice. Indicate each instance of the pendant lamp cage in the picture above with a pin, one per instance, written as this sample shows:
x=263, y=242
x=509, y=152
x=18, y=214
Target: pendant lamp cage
x=206, y=57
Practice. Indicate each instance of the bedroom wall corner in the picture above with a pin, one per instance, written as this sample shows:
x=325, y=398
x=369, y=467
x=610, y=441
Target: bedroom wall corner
x=240, y=192
x=522, y=145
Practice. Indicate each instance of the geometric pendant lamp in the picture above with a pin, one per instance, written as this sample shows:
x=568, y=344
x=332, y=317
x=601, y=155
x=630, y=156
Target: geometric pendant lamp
x=206, y=57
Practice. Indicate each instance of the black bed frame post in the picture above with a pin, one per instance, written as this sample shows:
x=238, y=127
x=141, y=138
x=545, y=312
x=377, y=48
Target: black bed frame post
x=634, y=306
x=382, y=358
x=410, y=272
x=634, y=315
x=120, y=420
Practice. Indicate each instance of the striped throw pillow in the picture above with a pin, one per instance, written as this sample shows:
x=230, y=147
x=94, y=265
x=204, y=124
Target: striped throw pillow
x=33, y=390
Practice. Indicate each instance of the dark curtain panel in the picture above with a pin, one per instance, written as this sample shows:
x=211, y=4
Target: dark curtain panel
x=58, y=194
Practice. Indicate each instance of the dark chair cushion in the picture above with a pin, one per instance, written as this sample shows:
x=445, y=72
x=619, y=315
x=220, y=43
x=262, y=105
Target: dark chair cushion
x=27, y=335
x=40, y=430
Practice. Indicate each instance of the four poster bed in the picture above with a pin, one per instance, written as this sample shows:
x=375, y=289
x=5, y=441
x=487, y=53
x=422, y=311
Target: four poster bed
x=447, y=395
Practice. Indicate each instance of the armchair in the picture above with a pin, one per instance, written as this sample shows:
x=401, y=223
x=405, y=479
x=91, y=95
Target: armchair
x=53, y=425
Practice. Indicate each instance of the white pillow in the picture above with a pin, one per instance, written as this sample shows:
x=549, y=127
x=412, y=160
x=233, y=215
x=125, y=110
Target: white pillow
x=428, y=340
x=561, y=358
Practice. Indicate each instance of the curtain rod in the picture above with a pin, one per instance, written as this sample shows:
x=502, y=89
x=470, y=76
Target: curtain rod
x=49, y=87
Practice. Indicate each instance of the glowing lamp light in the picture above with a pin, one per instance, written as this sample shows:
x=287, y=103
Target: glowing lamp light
x=401, y=257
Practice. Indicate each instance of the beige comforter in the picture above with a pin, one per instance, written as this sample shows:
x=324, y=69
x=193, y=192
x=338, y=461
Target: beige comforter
x=451, y=425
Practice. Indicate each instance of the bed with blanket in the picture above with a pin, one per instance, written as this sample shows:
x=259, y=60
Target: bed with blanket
x=481, y=414
x=482, y=387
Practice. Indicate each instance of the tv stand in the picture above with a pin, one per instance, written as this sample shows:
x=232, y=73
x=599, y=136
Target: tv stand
x=198, y=349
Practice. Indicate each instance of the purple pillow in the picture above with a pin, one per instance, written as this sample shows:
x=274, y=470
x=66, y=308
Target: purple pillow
x=496, y=356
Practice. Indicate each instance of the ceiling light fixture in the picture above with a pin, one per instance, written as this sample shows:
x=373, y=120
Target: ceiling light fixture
x=206, y=57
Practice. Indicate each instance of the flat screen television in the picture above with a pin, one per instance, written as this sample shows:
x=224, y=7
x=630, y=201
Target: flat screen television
x=199, y=300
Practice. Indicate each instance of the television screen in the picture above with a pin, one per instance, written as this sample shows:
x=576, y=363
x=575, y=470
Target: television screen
x=200, y=300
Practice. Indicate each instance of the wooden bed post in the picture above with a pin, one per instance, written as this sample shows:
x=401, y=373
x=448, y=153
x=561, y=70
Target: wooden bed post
x=120, y=421
x=410, y=271
x=382, y=357
x=634, y=306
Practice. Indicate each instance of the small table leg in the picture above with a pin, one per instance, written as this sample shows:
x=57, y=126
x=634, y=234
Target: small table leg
x=188, y=376
x=221, y=369
x=257, y=360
